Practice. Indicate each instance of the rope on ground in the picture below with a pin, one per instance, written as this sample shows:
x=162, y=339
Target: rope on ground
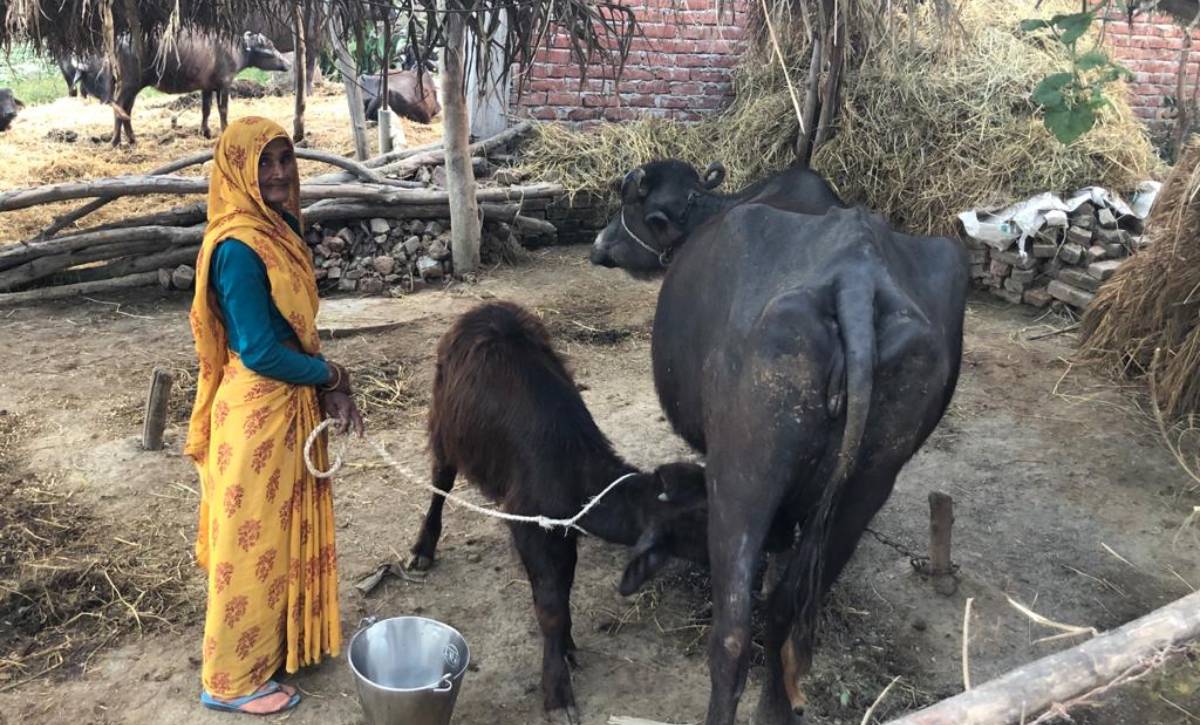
x=545, y=522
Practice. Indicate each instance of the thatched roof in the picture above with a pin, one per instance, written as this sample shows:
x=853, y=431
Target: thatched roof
x=598, y=31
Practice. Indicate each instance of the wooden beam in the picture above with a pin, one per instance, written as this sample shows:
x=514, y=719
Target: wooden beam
x=144, y=279
x=1057, y=678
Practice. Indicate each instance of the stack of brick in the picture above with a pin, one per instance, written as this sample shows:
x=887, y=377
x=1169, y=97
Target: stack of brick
x=1066, y=261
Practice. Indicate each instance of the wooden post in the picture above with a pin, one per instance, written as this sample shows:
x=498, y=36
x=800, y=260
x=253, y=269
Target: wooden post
x=460, y=176
x=941, y=522
x=385, y=119
x=299, y=63
x=487, y=99
x=156, y=410
x=345, y=66
x=1028, y=690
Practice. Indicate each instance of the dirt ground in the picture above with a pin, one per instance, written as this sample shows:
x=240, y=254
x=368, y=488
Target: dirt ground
x=1047, y=467
x=68, y=140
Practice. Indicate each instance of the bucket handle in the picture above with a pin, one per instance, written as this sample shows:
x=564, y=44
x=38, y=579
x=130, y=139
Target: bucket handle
x=366, y=622
x=446, y=684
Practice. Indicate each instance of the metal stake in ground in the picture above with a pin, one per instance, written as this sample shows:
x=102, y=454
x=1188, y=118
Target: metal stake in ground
x=156, y=410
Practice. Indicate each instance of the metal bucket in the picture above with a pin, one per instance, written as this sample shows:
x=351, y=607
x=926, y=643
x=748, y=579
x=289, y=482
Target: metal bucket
x=408, y=670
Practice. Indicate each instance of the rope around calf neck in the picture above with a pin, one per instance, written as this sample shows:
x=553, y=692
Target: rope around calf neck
x=543, y=521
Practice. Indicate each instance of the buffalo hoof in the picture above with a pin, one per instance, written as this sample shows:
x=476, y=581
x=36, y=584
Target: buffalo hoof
x=420, y=562
x=563, y=716
x=206, y=132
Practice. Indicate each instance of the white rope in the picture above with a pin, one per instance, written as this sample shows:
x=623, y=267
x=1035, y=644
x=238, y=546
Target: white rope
x=543, y=521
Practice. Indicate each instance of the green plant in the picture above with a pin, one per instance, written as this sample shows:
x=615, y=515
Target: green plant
x=1070, y=100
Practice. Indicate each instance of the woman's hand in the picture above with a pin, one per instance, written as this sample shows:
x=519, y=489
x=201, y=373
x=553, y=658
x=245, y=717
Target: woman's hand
x=341, y=407
x=336, y=401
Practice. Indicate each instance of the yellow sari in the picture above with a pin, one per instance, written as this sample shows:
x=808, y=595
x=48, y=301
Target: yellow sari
x=266, y=531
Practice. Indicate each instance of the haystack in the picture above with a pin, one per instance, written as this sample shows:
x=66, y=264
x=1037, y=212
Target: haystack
x=932, y=123
x=1153, y=301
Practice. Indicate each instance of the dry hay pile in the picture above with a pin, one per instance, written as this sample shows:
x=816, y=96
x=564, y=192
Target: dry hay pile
x=36, y=150
x=933, y=123
x=69, y=586
x=1145, y=321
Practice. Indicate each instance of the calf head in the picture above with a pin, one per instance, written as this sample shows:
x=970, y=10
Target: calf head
x=653, y=220
x=261, y=53
x=676, y=524
x=9, y=105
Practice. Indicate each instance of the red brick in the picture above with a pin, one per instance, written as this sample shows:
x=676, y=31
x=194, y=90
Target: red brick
x=659, y=30
x=583, y=114
x=544, y=114
x=699, y=74
x=619, y=114
x=597, y=101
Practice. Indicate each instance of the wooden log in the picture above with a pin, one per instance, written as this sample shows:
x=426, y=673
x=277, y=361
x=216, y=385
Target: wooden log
x=434, y=157
x=130, y=265
x=165, y=236
x=1030, y=689
x=536, y=227
x=66, y=220
x=49, y=265
x=156, y=410
x=145, y=185
x=335, y=209
x=180, y=216
x=144, y=279
x=941, y=522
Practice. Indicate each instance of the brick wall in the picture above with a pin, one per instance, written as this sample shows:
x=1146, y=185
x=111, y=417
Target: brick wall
x=680, y=69
x=1151, y=50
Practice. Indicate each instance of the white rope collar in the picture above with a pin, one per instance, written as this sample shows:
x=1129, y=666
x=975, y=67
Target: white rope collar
x=543, y=521
x=663, y=256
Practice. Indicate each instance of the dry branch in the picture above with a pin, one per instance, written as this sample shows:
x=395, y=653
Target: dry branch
x=144, y=279
x=1059, y=677
x=49, y=265
x=337, y=209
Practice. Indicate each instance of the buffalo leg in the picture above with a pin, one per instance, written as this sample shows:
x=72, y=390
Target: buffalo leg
x=741, y=507
x=206, y=98
x=223, y=106
x=549, y=560
x=431, y=529
x=125, y=104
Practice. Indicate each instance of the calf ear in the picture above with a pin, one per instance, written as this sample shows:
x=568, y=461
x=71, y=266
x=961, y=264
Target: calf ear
x=649, y=557
x=18, y=102
x=714, y=175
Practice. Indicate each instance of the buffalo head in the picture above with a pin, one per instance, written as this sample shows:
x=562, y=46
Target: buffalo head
x=262, y=53
x=677, y=526
x=653, y=220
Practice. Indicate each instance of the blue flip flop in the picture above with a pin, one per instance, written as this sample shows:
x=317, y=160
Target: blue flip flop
x=236, y=705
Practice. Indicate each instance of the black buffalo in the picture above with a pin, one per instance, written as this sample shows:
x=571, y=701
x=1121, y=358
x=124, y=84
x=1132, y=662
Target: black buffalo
x=808, y=356
x=9, y=105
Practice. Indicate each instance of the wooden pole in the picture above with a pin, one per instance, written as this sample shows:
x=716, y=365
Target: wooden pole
x=385, y=118
x=941, y=522
x=156, y=410
x=345, y=66
x=144, y=279
x=299, y=64
x=465, y=229
x=1058, y=678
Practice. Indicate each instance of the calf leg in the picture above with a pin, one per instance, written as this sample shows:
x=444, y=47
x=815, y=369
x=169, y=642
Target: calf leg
x=431, y=530
x=205, y=109
x=549, y=560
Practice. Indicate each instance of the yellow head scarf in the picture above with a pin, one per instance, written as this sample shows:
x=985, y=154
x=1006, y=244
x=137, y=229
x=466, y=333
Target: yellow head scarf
x=236, y=209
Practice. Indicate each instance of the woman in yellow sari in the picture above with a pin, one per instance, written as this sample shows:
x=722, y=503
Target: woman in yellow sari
x=266, y=532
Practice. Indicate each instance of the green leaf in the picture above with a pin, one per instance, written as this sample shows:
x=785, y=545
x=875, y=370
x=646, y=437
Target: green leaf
x=1092, y=59
x=1069, y=124
x=1049, y=93
x=1073, y=26
x=1032, y=24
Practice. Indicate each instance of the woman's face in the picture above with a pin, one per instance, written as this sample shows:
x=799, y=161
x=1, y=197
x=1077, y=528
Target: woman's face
x=276, y=171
